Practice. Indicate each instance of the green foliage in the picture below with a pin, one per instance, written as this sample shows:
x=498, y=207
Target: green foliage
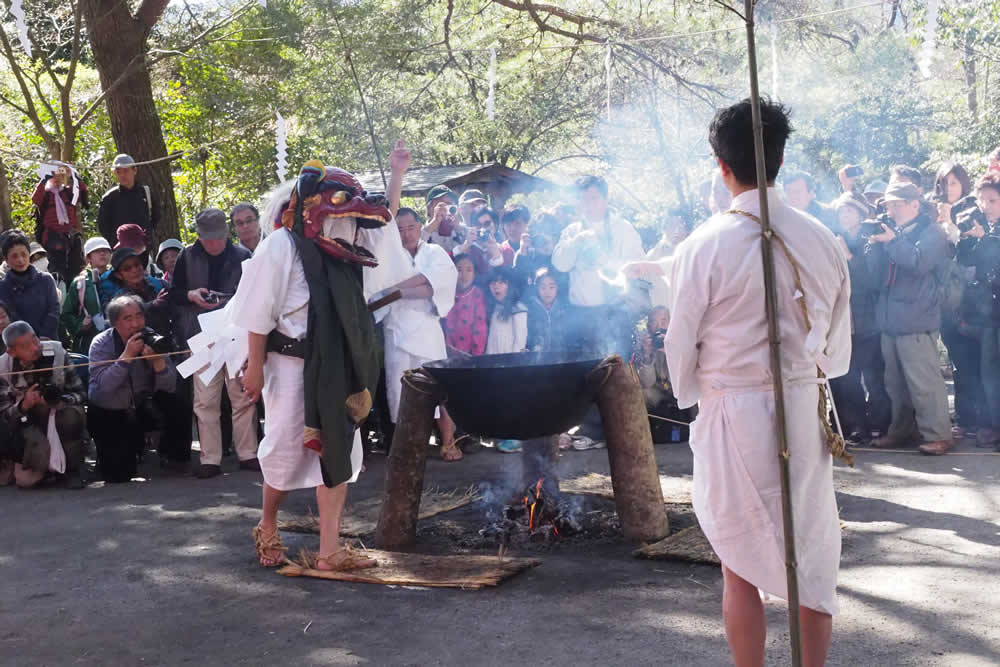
x=422, y=67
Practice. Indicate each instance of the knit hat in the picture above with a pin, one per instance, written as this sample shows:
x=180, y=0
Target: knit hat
x=169, y=244
x=441, y=191
x=131, y=236
x=96, y=243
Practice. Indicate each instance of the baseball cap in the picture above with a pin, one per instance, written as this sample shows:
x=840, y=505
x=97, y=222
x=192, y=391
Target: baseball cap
x=96, y=243
x=901, y=191
x=212, y=224
x=470, y=196
x=441, y=191
x=123, y=160
x=121, y=254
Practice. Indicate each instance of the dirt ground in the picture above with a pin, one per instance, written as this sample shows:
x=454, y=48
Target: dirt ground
x=162, y=572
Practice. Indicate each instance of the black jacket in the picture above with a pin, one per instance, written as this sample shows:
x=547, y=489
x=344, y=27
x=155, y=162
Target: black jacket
x=122, y=207
x=192, y=272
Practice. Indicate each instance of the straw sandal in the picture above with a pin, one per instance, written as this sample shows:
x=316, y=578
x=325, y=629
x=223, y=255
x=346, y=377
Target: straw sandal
x=266, y=544
x=342, y=560
x=451, y=453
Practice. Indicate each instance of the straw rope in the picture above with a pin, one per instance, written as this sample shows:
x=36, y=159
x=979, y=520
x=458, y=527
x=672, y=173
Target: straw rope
x=834, y=441
x=93, y=363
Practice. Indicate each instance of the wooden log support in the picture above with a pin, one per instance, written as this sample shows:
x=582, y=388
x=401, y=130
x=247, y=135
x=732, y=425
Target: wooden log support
x=404, y=469
x=634, y=476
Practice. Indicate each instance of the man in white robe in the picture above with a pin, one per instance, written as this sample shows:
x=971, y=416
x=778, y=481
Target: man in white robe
x=413, y=333
x=274, y=295
x=718, y=356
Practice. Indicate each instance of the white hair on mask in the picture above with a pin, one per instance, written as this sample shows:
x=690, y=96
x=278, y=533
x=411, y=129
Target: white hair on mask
x=276, y=202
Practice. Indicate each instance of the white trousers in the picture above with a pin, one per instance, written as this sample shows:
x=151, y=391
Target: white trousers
x=284, y=460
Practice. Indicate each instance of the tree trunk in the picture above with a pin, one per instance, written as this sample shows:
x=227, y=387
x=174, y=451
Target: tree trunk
x=118, y=40
x=969, y=64
x=6, y=218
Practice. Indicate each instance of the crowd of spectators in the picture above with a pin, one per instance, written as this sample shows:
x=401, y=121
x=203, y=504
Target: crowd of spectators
x=569, y=280
x=925, y=269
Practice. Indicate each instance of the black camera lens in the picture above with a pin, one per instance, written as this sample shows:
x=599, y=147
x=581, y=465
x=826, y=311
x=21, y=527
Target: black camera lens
x=51, y=393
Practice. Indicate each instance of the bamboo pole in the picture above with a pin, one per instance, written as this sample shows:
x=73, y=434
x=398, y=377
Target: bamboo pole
x=771, y=302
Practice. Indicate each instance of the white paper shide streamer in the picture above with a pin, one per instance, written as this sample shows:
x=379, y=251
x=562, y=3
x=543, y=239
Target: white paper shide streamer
x=21, y=23
x=491, y=98
x=607, y=78
x=926, y=56
x=281, y=147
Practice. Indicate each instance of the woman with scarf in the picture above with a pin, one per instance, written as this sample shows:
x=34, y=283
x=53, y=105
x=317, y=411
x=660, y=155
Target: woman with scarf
x=30, y=293
x=57, y=224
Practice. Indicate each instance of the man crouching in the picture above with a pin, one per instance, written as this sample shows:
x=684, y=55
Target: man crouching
x=41, y=409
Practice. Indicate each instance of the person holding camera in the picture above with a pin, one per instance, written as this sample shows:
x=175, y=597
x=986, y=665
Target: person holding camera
x=131, y=395
x=57, y=199
x=984, y=225
x=206, y=275
x=909, y=258
x=443, y=226
x=862, y=402
x=481, y=243
x=41, y=407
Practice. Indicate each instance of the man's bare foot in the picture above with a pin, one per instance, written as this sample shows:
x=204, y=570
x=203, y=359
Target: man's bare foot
x=451, y=452
x=267, y=541
x=345, y=559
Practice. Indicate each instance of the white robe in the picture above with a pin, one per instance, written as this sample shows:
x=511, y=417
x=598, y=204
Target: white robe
x=413, y=333
x=273, y=294
x=591, y=266
x=718, y=354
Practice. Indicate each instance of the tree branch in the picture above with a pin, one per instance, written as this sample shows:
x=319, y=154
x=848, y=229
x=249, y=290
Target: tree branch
x=150, y=11
x=31, y=110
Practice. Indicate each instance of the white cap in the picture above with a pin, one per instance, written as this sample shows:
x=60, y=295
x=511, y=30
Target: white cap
x=96, y=243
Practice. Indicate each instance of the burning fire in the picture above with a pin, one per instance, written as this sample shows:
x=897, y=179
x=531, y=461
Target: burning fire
x=534, y=505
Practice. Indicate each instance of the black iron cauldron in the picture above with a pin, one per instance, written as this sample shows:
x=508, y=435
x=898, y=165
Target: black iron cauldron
x=516, y=396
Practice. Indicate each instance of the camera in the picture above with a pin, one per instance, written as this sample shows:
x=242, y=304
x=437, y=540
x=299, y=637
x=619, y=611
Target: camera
x=658, y=337
x=483, y=234
x=159, y=344
x=452, y=210
x=854, y=171
x=874, y=227
x=217, y=297
x=967, y=219
x=50, y=392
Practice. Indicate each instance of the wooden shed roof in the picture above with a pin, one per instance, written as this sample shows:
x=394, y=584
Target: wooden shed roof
x=419, y=180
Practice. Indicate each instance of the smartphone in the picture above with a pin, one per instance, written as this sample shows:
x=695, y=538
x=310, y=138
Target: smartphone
x=870, y=229
x=854, y=171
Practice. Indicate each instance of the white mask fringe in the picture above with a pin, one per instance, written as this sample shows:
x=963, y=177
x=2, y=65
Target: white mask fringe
x=281, y=147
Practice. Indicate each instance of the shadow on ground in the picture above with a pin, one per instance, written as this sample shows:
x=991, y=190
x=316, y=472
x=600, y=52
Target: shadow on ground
x=162, y=573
